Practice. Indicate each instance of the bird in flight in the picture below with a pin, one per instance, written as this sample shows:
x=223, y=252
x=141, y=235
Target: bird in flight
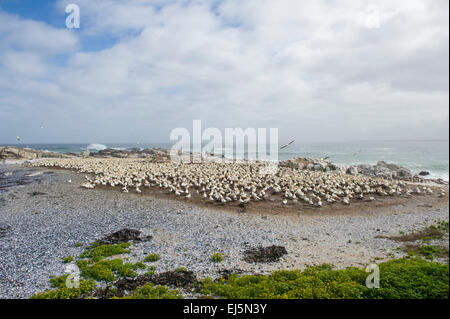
x=286, y=145
x=18, y=139
x=357, y=152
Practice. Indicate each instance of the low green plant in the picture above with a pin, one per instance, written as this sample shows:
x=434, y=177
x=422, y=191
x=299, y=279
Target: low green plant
x=152, y=258
x=139, y=265
x=58, y=282
x=426, y=251
x=151, y=271
x=216, y=257
x=149, y=291
x=67, y=293
x=180, y=269
x=105, y=270
x=78, y=245
x=97, y=252
x=67, y=259
x=401, y=278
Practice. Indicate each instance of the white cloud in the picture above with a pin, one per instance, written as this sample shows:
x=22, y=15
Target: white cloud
x=310, y=68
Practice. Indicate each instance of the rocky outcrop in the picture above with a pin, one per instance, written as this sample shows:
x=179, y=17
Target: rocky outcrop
x=15, y=153
x=85, y=153
x=153, y=154
x=384, y=170
x=381, y=169
x=312, y=164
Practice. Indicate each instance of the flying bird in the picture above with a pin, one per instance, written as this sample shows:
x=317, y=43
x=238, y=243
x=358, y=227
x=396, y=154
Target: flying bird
x=18, y=139
x=357, y=152
x=286, y=145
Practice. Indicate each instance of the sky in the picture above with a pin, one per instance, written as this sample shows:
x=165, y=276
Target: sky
x=327, y=70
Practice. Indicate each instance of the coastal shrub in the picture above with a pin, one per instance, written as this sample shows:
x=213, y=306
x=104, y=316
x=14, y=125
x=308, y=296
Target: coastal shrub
x=217, y=257
x=105, y=270
x=139, y=265
x=67, y=259
x=413, y=278
x=402, y=278
x=180, y=269
x=78, y=245
x=149, y=291
x=58, y=282
x=151, y=271
x=152, y=258
x=67, y=293
x=427, y=251
x=98, y=252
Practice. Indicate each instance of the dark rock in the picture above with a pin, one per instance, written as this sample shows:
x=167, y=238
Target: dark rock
x=424, y=173
x=123, y=236
x=265, y=254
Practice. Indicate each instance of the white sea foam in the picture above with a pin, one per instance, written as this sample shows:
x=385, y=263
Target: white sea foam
x=96, y=147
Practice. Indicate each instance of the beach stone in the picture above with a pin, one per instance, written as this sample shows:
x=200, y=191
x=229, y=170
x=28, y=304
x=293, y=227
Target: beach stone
x=352, y=170
x=85, y=153
x=424, y=173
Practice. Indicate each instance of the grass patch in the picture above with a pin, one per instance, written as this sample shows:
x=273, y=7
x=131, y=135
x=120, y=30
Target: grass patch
x=402, y=278
x=216, y=258
x=151, y=271
x=67, y=259
x=149, y=291
x=152, y=258
x=428, y=251
x=106, y=270
x=78, y=245
x=432, y=232
x=139, y=265
x=67, y=293
x=180, y=269
x=98, y=252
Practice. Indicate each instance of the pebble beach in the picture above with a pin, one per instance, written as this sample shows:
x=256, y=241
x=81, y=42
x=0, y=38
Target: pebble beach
x=43, y=217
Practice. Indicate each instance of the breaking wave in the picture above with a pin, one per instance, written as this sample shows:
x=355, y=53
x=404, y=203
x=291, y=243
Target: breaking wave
x=96, y=147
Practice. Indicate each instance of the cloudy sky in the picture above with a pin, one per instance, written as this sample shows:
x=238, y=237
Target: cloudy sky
x=326, y=70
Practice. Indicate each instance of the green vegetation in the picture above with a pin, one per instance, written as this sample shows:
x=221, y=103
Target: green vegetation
x=151, y=271
x=67, y=259
x=441, y=225
x=67, y=293
x=427, y=251
x=106, y=270
x=98, y=252
x=180, y=269
x=93, y=268
x=401, y=278
x=58, y=282
x=432, y=232
x=217, y=257
x=139, y=265
x=152, y=258
x=78, y=245
x=149, y=291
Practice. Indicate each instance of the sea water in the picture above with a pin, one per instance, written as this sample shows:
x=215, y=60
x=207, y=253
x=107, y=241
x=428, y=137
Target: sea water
x=431, y=156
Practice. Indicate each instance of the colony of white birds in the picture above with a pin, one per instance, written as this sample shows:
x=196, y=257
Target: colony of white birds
x=240, y=182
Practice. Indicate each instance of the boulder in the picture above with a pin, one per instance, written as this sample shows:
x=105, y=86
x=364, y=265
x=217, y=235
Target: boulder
x=16, y=153
x=85, y=153
x=352, y=170
x=424, y=173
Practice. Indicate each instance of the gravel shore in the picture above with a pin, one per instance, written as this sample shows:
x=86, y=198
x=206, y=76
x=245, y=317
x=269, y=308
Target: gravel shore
x=41, y=222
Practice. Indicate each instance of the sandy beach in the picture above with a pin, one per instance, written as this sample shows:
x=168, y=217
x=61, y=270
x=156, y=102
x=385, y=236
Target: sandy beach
x=43, y=217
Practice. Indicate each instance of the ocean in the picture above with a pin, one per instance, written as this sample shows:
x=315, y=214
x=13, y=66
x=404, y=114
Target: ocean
x=432, y=156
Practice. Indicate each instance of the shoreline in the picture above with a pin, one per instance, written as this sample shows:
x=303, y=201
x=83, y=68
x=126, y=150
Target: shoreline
x=16, y=155
x=46, y=218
